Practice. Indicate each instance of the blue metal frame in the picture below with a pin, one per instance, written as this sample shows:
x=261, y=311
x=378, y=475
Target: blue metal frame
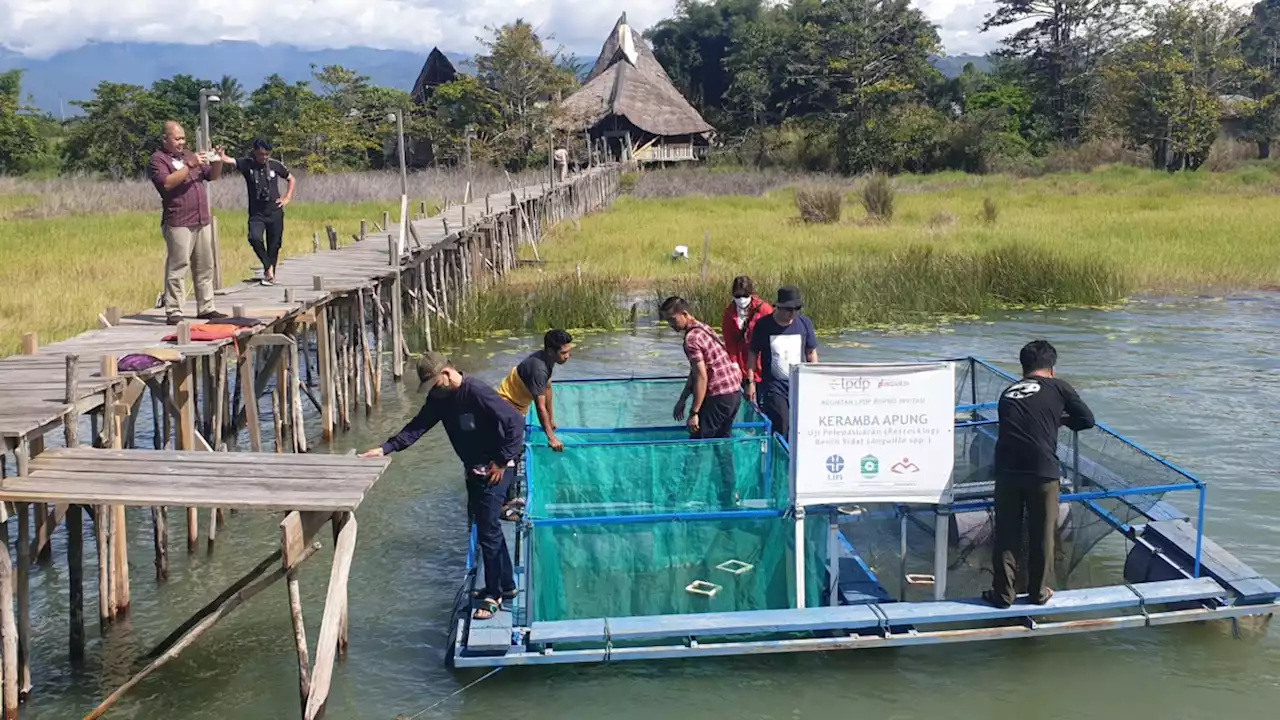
x=660, y=517
x=1194, y=484
x=1086, y=498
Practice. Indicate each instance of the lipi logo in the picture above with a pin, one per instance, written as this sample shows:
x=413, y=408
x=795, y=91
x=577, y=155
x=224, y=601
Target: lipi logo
x=870, y=466
x=835, y=464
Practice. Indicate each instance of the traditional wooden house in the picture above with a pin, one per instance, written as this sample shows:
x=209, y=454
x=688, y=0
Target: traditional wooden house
x=436, y=71
x=629, y=102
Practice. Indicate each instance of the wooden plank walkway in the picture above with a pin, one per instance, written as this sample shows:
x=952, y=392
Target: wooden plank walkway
x=241, y=480
x=32, y=387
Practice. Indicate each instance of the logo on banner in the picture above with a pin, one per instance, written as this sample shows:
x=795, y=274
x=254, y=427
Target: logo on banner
x=905, y=467
x=835, y=464
x=850, y=384
x=870, y=466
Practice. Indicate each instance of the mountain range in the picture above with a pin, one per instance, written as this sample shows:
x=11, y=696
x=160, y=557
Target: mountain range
x=54, y=82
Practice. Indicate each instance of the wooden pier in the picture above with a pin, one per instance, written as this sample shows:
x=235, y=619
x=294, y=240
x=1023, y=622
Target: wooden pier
x=318, y=336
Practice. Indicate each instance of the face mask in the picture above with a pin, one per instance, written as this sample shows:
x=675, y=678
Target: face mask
x=742, y=303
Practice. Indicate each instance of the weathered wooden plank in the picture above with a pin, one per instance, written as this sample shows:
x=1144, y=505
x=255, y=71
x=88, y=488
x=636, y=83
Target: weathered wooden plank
x=179, y=456
x=209, y=467
x=273, y=501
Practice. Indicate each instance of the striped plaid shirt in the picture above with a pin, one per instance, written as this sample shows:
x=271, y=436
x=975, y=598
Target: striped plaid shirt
x=723, y=374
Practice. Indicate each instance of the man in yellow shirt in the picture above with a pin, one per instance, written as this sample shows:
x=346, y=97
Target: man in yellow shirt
x=529, y=383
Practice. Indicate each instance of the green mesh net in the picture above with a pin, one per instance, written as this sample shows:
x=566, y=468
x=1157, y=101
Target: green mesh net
x=622, y=404
x=625, y=521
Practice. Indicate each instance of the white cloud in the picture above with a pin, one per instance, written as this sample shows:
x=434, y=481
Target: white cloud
x=39, y=28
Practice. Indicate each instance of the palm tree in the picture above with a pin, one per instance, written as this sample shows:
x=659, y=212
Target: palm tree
x=231, y=91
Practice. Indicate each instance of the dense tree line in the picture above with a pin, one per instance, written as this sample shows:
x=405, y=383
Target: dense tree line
x=847, y=84
x=841, y=85
x=336, y=121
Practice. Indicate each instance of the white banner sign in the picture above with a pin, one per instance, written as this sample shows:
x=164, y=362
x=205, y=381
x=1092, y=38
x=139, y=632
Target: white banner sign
x=872, y=433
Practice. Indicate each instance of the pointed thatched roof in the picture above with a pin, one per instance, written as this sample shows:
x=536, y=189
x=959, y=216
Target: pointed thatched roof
x=629, y=82
x=435, y=72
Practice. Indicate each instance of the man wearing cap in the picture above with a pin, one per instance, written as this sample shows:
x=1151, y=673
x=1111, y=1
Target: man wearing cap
x=783, y=339
x=262, y=176
x=488, y=435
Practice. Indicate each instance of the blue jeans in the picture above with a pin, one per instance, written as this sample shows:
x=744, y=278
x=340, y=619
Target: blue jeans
x=484, y=505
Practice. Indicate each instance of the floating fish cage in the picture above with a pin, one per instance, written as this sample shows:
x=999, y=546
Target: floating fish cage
x=639, y=543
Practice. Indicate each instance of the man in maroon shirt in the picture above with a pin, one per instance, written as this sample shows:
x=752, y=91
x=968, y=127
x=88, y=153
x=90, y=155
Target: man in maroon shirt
x=179, y=177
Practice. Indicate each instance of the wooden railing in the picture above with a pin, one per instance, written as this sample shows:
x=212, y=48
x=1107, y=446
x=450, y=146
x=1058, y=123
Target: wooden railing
x=665, y=153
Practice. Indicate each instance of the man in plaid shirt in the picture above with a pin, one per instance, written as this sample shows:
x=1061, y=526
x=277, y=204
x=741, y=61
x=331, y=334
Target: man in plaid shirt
x=715, y=381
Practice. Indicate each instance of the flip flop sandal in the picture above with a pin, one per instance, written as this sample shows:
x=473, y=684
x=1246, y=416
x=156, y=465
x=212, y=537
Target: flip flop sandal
x=1046, y=597
x=510, y=514
x=487, y=606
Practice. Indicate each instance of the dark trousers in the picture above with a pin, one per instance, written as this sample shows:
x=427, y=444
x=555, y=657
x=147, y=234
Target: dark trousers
x=1038, y=497
x=269, y=227
x=717, y=415
x=715, y=421
x=484, y=505
x=777, y=407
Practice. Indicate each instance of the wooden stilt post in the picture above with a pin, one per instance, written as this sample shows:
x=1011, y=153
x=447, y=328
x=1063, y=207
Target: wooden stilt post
x=106, y=596
x=75, y=522
x=182, y=400
x=8, y=638
x=24, y=595
x=325, y=370
x=75, y=576
x=366, y=376
x=250, y=393
x=113, y=417
x=335, y=609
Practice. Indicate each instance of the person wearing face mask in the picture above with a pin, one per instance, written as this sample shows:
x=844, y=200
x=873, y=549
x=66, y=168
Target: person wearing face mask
x=738, y=323
x=488, y=435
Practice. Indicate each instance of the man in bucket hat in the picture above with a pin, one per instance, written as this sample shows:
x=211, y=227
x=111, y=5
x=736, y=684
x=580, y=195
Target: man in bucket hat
x=488, y=435
x=783, y=339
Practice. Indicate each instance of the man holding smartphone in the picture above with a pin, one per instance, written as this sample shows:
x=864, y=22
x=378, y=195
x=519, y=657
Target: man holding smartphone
x=178, y=176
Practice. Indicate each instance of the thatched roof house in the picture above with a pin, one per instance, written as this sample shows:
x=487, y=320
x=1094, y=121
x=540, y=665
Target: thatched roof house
x=630, y=102
x=436, y=71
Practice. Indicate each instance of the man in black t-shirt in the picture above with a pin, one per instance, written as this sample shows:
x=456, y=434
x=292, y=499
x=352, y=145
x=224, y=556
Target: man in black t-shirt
x=780, y=341
x=262, y=175
x=1027, y=471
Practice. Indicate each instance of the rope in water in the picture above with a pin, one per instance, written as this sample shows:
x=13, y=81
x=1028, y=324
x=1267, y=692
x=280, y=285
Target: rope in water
x=452, y=695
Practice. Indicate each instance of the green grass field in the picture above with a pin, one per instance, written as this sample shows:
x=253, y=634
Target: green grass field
x=1081, y=239
x=1162, y=233
x=57, y=274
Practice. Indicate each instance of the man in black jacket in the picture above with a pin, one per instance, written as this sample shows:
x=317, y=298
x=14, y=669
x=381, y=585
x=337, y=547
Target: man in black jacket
x=488, y=435
x=1027, y=471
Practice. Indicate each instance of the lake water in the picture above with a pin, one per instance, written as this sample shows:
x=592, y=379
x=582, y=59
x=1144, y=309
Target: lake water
x=1195, y=380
